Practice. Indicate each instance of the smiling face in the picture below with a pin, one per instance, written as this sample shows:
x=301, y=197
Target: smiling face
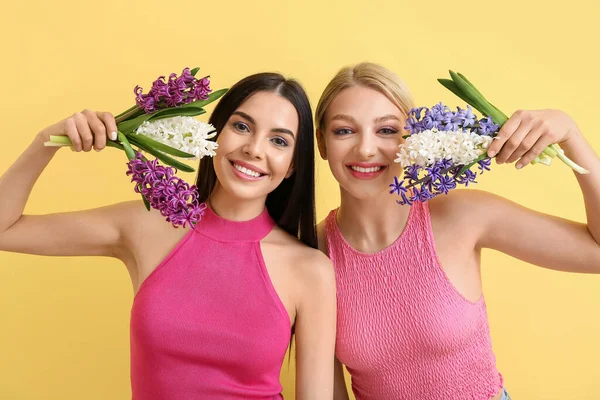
x=256, y=147
x=360, y=135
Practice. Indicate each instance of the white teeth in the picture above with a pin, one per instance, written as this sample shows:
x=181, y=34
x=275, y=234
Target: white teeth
x=365, y=170
x=246, y=171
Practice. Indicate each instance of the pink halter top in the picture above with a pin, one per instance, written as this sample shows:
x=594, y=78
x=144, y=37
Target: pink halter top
x=207, y=323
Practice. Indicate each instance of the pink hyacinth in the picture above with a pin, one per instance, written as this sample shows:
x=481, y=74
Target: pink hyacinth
x=165, y=192
x=174, y=92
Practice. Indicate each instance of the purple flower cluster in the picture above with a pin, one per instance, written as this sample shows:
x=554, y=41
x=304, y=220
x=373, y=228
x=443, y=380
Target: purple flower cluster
x=172, y=93
x=424, y=183
x=165, y=192
x=440, y=117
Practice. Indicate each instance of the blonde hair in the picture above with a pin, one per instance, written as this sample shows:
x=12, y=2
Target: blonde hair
x=367, y=74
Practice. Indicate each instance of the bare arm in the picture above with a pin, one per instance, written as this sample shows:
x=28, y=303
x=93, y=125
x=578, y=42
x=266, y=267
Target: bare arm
x=315, y=330
x=544, y=240
x=93, y=232
x=537, y=238
x=340, y=391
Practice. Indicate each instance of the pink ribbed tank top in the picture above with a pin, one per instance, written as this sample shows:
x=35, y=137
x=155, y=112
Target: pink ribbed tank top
x=207, y=323
x=403, y=330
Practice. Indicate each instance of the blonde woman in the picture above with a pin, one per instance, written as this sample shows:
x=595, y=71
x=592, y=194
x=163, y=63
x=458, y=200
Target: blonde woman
x=412, y=320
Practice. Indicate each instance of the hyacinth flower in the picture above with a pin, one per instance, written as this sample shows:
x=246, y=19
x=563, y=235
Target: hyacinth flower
x=440, y=151
x=179, y=96
x=171, y=196
x=463, y=88
x=162, y=124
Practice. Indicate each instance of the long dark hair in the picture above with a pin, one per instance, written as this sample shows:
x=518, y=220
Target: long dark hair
x=292, y=203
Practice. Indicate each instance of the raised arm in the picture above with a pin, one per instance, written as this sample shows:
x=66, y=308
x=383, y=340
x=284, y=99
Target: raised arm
x=93, y=232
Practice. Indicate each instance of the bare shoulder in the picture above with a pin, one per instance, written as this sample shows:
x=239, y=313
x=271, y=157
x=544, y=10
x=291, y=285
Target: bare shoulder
x=465, y=204
x=309, y=266
x=143, y=229
x=471, y=213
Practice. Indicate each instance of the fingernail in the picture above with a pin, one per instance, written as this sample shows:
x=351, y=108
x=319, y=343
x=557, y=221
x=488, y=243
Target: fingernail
x=491, y=153
x=113, y=136
x=519, y=166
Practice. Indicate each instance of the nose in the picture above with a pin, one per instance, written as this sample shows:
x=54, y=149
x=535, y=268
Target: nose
x=254, y=147
x=366, y=147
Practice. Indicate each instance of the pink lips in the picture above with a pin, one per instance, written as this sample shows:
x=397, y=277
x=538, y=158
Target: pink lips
x=246, y=165
x=365, y=174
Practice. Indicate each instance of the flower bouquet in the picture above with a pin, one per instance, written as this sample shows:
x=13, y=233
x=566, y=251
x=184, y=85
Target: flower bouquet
x=162, y=124
x=444, y=145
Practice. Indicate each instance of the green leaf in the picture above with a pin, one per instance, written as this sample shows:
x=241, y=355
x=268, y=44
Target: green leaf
x=129, y=110
x=451, y=86
x=480, y=94
x=148, y=142
x=126, y=146
x=470, y=84
x=477, y=101
x=145, y=202
x=211, y=97
x=131, y=124
x=176, y=112
x=166, y=159
x=194, y=71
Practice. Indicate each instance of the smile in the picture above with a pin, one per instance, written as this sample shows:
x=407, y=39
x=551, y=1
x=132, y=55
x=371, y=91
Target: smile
x=366, y=170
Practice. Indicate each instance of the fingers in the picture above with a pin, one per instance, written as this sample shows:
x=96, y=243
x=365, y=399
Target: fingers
x=528, y=140
x=98, y=129
x=73, y=134
x=90, y=129
x=535, y=150
x=504, y=134
x=85, y=132
x=109, y=122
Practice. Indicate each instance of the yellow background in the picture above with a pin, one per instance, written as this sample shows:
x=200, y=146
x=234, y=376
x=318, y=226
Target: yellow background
x=64, y=321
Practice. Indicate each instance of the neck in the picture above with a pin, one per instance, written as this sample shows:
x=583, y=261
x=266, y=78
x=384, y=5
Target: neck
x=232, y=208
x=371, y=224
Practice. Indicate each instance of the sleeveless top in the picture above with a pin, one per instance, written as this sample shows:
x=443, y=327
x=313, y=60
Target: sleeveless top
x=207, y=323
x=403, y=330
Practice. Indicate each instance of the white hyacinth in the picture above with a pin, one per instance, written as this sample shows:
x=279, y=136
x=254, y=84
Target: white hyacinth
x=431, y=146
x=183, y=133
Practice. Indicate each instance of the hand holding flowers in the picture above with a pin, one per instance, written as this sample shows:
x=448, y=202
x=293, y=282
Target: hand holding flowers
x=444, y=145
x=161, y=124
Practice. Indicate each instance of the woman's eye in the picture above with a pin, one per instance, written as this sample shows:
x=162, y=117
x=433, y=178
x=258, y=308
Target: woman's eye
x=278, y=141
x=388, y=131
x=240, y=126
x=342, y=131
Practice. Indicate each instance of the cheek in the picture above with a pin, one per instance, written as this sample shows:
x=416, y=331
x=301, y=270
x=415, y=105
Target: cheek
x=281, y=162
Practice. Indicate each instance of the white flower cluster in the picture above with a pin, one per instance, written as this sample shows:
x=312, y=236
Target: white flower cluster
x=183, y=133
x=431, y=146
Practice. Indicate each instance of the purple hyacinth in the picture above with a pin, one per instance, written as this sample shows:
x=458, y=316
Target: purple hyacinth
x=487, y=127
x=165, y=192
x=440, y=117
x=174, y=92
x=424, y=183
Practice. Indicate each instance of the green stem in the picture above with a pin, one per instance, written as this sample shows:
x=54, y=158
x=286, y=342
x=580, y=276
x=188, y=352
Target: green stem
x=126, y=146
x=562, y=157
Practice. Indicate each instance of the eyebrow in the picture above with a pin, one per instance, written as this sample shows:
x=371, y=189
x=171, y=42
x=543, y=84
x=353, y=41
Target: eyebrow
x=386, y=117
x=276, y=130
x=343, y=117
x=377, y=120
